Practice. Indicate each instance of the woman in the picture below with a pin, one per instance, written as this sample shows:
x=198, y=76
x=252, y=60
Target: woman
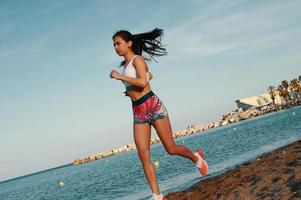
x=148, y=109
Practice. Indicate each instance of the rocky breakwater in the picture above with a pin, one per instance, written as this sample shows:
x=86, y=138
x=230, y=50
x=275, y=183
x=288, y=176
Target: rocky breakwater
x=276, y=175
x=105, y=154
x=238, y=115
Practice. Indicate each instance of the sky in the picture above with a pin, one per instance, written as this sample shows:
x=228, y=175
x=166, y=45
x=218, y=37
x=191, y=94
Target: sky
x=57, y=102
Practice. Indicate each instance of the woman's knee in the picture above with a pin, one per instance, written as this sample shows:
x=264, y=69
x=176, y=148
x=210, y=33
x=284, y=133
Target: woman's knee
x=144, y=155
x=172, y=150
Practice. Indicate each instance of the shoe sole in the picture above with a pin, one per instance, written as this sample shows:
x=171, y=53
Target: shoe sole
x=204, y=167
x=200, y=153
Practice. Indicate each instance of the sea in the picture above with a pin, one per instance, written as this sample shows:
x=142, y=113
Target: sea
x=121, y=176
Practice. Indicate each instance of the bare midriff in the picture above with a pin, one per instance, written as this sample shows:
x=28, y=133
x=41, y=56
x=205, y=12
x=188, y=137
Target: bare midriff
x=136, y=93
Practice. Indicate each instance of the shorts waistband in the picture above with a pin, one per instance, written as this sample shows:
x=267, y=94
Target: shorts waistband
x=143, y=98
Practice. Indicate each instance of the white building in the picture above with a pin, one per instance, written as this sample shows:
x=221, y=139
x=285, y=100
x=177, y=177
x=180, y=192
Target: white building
x=257, y=101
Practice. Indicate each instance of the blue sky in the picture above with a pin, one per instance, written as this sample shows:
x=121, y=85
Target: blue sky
x=57, y=102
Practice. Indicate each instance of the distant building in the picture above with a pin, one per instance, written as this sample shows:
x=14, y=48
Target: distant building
x=256, y=101
x=93, y=157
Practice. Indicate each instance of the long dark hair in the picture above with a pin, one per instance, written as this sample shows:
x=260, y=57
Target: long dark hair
x=148, y=42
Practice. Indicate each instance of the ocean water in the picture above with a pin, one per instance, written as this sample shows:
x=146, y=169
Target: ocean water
x=122, y=177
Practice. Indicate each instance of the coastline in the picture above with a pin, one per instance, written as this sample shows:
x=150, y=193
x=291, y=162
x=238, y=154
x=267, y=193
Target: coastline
x=130, y=147
x=229, y=118
x=275, y=175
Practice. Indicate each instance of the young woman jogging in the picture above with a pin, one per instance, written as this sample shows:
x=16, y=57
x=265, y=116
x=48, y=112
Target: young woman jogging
x=148, y=109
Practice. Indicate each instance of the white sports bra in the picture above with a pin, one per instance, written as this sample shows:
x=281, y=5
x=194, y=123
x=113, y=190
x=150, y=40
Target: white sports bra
x=130, y=71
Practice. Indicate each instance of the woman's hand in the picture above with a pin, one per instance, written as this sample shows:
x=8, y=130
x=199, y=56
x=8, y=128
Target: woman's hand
x=115, y=74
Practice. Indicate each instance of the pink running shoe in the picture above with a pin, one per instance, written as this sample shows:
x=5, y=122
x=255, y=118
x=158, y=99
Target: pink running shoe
x=201, y=163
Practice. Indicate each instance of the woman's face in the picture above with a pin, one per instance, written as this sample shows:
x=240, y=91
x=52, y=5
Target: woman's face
x=121, y=46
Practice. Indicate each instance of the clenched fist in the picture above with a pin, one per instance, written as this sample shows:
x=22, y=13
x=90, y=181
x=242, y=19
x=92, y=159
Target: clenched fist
x=115, y=74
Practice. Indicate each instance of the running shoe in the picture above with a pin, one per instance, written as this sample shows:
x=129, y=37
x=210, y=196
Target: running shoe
x=201, y=163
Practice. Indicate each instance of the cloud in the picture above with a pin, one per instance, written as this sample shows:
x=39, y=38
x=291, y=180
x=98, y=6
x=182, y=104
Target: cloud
x=16, y=20
x=236, y=30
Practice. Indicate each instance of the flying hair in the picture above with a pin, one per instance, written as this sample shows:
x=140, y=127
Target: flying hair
x=148, y=43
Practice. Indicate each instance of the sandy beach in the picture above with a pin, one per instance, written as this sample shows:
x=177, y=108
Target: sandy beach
x=276, y=175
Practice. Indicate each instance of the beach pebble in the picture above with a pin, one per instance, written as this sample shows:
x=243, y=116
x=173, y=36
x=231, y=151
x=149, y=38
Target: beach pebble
x=156, y=164
x=284, y=152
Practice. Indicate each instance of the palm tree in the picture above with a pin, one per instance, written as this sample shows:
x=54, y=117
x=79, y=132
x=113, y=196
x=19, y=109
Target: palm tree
x=283, y=93
x=286, y=93
x=296, y=86
x=294, y=83
x=285, y=84
x=271, y=90
x=279, y=89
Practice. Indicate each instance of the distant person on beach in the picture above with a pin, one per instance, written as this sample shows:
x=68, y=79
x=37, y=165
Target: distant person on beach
x=148, y=109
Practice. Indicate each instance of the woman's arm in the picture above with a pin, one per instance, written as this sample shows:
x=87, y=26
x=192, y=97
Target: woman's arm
x=149, y=76
x=141, y=70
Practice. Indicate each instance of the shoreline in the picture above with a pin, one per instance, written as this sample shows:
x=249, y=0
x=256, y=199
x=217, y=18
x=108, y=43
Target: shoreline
x=108, y=155
x=274, y=175
x=231, y=118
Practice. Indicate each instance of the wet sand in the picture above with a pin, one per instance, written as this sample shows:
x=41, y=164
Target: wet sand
x=276, y=175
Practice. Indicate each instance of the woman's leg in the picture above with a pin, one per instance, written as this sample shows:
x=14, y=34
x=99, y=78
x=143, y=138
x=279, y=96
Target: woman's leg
x=142, y=135
x=163, y=129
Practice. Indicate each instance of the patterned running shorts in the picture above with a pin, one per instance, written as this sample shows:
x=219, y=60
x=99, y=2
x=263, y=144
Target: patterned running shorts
x=148, y=109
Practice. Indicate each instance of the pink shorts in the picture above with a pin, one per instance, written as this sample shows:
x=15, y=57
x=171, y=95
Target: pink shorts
x=148, y=109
